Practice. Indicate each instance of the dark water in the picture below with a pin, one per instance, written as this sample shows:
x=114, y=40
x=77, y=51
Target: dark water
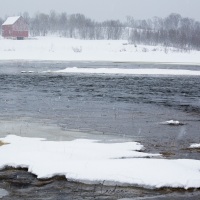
x=129, y=106
x=125, y=106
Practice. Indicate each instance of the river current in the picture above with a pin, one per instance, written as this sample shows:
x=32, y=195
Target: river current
x=132, y=106
x=127, y=107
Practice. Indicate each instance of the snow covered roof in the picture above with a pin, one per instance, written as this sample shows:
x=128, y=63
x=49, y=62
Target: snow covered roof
x=11, y=20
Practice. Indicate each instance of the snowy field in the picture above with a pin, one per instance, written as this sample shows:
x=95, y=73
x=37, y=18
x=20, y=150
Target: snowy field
x=65, y=49
x=90, y=160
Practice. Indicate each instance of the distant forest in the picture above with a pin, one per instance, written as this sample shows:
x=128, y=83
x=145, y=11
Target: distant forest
x=172, y=31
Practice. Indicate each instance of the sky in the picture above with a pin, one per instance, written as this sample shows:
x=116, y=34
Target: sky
x=100, y=10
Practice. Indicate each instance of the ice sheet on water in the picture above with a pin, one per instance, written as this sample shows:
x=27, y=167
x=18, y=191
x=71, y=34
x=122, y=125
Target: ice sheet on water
x=140, y=71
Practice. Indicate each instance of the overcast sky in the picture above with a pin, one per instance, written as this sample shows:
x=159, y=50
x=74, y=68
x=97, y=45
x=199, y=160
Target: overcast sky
x=104, y=9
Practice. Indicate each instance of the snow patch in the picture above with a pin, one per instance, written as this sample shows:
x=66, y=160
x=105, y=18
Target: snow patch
x=25, y=72
x=90, y=160
x=195, y=146
x=140, y=71
x=172, y=122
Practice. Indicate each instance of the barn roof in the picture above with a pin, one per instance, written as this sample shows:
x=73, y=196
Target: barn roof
x=11, y=20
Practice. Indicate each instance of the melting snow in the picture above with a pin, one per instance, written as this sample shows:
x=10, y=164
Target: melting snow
x=90, y=160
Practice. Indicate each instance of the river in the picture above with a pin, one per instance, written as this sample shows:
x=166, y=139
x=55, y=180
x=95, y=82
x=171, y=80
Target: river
x=63, y=106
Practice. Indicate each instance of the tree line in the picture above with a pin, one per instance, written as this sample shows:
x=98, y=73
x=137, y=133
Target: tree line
x=73, y=26
x=174, y=30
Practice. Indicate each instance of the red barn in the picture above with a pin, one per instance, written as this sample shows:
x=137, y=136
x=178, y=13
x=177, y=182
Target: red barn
x=15, y=28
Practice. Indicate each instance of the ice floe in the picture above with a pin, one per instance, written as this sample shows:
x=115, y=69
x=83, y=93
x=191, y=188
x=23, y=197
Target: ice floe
x=195, y=146
x=122, y=71
x=173, y=122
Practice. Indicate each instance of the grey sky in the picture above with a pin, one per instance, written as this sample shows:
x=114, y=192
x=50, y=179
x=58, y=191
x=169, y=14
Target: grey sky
x=105, y=9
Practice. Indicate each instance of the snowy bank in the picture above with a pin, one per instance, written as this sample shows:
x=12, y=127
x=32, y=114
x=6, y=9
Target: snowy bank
x=89, y=160
x=65, y=49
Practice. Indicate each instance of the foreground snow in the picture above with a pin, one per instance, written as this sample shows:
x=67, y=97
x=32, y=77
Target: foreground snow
x=141, y=71
x=88, y=160
x=65, y=49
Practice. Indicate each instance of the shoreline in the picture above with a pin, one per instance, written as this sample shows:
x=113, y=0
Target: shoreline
x=100, y=61
x=34, y=188
x=43, y=133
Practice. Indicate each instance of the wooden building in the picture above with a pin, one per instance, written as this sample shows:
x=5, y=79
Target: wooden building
x=15, y=28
